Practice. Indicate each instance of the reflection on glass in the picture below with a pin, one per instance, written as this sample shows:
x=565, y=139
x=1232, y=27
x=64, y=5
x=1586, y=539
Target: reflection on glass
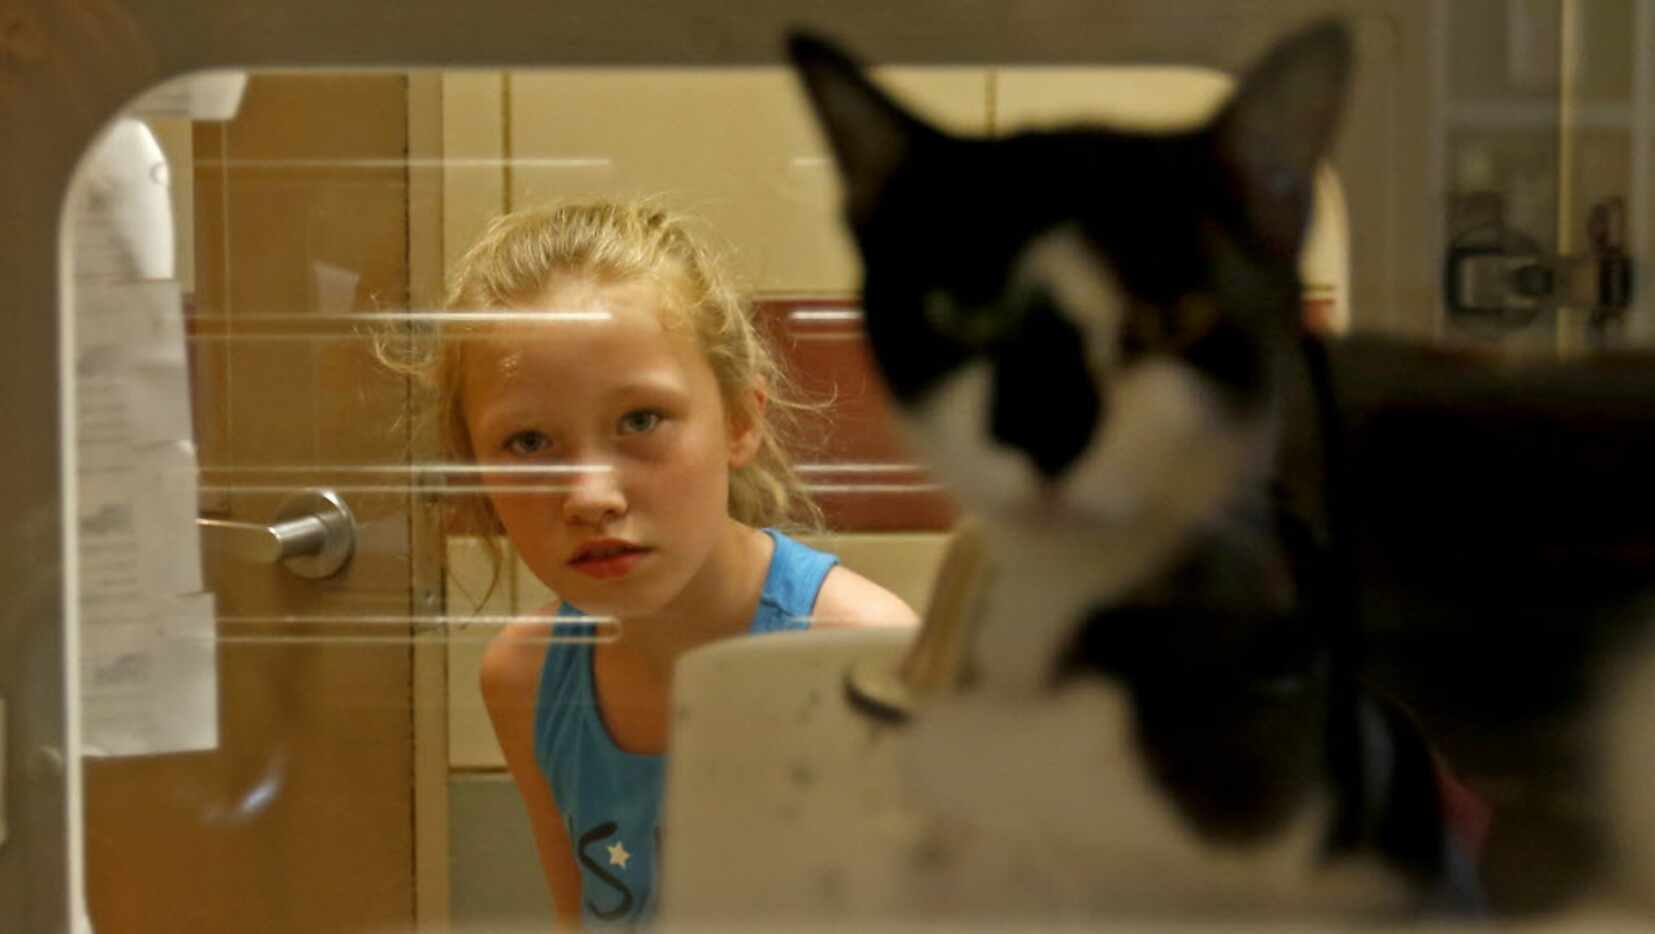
x=565, y=453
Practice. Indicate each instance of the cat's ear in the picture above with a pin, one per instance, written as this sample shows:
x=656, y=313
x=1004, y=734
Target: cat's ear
x=870, y=134
x=1279, y=124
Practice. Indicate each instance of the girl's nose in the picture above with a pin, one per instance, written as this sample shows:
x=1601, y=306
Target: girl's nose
x=594, y=496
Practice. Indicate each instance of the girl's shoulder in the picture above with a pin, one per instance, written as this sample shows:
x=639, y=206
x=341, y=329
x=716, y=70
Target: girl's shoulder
x=513, y=658
x=849, y=599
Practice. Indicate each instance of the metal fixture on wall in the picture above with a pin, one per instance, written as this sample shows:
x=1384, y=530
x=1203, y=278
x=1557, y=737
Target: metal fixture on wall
x=1496, y=276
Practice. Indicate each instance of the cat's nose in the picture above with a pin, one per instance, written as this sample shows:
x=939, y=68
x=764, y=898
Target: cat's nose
x=1045, y=402
x=1054, y=443
x=1050, y=496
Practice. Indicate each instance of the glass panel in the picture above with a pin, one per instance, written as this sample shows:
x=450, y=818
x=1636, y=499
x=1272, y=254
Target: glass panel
x=351, y=454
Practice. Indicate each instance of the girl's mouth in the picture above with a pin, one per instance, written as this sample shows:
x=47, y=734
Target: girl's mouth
x=608, y=558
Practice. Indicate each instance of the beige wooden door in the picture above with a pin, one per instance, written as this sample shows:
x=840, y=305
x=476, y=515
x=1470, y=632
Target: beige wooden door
x=302, y=818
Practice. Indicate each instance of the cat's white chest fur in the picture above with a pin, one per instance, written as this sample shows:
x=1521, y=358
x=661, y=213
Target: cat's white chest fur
x=1167, y=460
x=1044, y=802
x=1628, y=763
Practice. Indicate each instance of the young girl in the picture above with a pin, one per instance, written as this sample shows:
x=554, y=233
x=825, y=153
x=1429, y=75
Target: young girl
x=609, y=383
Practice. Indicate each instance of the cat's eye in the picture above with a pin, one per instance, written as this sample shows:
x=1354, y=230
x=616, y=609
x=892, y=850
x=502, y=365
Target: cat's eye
x=975, y=325
x=939, y=312
x=1150, y=327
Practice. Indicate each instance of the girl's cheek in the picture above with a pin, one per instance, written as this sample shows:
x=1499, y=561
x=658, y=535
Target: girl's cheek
x=699, y=467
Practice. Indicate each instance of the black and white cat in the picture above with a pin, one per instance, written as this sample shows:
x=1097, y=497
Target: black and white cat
x=1085, y=330
x=1093, y=336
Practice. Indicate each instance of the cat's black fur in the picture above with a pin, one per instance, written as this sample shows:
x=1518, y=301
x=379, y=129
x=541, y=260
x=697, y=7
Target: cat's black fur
x=1431, y=539
x=939, y=215
x=1502, y=545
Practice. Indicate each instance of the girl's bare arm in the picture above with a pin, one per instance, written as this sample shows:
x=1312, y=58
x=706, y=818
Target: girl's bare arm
x=510, y=681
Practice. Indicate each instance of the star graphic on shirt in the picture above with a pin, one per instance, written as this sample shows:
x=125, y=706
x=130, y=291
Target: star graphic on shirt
x=618, y=855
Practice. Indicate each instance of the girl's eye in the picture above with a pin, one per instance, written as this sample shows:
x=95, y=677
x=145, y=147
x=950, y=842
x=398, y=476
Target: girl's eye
x=639, y=422
x=527, y=443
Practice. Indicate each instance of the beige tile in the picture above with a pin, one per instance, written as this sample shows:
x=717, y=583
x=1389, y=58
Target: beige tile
x=1152, y=97
x=471, y=742
x=531, y=595
x=736, y=147
x=1164, y=98
x=905, y=563
x=473, y=140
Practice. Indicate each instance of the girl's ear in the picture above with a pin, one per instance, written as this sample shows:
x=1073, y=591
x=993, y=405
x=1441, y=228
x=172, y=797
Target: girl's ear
x=746, y=427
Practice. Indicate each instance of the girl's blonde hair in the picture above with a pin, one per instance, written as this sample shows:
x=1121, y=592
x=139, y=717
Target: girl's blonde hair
x=521, y=254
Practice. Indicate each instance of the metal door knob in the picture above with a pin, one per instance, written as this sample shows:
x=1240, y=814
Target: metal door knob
x=313, y=535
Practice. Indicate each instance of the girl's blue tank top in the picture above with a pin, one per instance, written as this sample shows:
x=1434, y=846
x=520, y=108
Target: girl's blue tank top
x=610, y=799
